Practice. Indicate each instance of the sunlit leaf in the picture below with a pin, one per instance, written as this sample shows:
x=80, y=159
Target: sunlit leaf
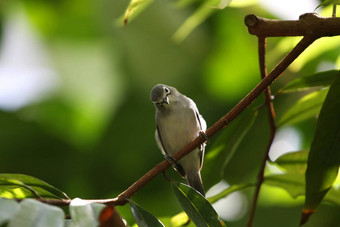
x=229, y=190
x=293, y=180
x=333, y=196
x=329, y=2
x=221, y=152
x=34, y=213
x=84, y=213
x=135, y=7
x=180, y=219
x=206, y=9
x=199, y=16
x=307, y=107
x=142, y=217
x=196, y=206
x=8, y=208
x=293, y=162
x=242, y=3
x=184, y=3
x=327, y=49
x=223, y=4
x=324, y=155
x=321, y=79
x=24, y=186
x=293, y=183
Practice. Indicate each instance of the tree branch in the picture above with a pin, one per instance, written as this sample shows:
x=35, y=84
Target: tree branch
x=262, y=28
x=224, y=121
x=309, y=24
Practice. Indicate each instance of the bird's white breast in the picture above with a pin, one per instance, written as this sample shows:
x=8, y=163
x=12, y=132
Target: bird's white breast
x=178, y=128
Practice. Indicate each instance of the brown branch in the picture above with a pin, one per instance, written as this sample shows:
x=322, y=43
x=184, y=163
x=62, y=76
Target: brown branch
x=224, y=121
x=309, y=24
x=256, y=27
x=55, y=202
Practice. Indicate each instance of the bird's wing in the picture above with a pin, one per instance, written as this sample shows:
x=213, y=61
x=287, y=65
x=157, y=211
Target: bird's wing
x=201, y=121
x=160, y=144
x=203, y=127
x=159, y=141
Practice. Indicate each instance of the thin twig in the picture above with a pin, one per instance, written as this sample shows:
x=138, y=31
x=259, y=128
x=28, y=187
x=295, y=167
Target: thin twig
x=271, y=119
x=334, y=11
x=55, y=202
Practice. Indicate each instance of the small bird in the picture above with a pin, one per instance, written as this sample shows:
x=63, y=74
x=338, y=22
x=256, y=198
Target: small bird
x=178, y=122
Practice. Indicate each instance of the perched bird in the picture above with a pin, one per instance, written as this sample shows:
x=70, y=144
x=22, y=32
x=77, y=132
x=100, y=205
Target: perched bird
x=178, y=123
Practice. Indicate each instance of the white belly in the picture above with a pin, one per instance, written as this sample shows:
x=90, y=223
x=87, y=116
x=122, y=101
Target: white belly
x=177, y=130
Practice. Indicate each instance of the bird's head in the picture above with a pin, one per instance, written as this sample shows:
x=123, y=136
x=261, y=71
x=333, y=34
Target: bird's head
x=162, y=95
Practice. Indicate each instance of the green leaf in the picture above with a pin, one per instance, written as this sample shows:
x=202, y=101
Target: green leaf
x=229, y=190
x=142, y=217
x=293, y=180
x=321, y=79
x=293, y=183
x=8, y=208
x=205, y=10
x=181, y=219
x=223, y=4
x=224, y=148
x=84, y=213
x=305, y=108
x=329, y=2
x=134, y=8
x=185, y=3
x=24, y=186
x=333, y=196
x=196, y=206
x=34, y=213
x=243, y=3
x=293, y=162
x=324, y=156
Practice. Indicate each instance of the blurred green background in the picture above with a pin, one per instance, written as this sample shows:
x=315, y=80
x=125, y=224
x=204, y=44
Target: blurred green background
x=74, y=95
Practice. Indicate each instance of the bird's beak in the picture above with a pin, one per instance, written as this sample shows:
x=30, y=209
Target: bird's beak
x=166, y=100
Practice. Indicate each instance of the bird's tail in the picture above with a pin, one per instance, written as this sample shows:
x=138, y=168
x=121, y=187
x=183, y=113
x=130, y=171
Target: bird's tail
x=195, y=181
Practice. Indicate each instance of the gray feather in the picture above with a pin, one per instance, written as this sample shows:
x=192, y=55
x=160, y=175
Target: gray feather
x=178, y=123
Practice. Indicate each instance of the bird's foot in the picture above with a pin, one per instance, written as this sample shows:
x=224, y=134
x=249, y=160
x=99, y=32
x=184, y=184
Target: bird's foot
x=204, y=136
x=170, y=159
x=174, y=163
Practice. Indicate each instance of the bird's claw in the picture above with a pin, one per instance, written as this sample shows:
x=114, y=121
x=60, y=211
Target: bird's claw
x=170, y=159
x=204, y=136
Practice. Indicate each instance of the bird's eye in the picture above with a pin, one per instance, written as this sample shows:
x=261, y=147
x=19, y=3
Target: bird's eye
x=167, y=90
